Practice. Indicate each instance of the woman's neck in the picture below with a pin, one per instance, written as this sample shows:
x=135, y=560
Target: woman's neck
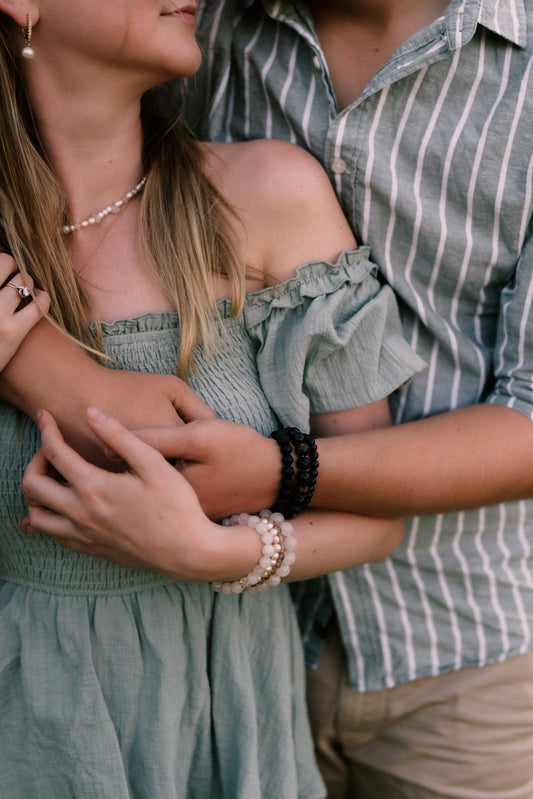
x=93, y=140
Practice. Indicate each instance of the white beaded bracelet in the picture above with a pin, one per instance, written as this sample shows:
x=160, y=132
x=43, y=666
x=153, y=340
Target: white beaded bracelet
x=277, y=554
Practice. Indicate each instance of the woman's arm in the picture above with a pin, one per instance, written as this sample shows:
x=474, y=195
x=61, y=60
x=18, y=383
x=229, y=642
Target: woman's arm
x=150, y=518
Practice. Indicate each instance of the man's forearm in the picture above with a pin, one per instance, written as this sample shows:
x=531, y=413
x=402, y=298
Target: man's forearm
x=467, y=458
x=51, y=372
x=48, y=371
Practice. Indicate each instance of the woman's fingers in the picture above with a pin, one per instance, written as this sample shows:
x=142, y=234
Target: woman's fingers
x=12, y=290
x=57, y=453
x=140, y=456
x=7, y=267
x=25, y=318
x=55, y=524
x=70, y=536
x=9, y=294
x=47, y=499
x=18, y=313
x=147, y=518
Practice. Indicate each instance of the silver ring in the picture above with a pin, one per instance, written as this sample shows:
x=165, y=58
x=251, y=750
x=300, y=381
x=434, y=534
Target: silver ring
x=22, y=291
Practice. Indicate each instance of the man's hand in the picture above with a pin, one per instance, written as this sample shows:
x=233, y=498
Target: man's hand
x=137, y=399
x=231, y=467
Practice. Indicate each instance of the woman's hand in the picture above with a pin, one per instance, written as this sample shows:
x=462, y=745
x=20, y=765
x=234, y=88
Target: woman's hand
x=146, y=518
x=15, y=321
x=150, y=518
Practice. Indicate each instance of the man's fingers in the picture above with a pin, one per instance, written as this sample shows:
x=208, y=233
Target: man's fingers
x=190, y=407
x=195, y=441
x=171, y=443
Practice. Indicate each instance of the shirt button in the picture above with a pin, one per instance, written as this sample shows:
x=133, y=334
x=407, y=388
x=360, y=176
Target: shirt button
x=338, y=165
x=316, y=62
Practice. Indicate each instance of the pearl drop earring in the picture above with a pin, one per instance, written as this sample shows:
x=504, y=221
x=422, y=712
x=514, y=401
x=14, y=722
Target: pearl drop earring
x=27, y=51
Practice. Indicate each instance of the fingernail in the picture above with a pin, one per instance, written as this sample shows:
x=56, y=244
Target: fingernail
x=96, y=415
x=38, y=416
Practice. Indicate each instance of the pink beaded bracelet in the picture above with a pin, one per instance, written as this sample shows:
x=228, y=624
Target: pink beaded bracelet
x=277, y=554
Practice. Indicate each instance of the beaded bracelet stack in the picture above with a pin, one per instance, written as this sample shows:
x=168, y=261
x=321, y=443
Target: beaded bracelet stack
x=297, y=485
x=277, y=554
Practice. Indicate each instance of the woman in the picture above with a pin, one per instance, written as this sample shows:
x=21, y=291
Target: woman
x=16, y=321
x=120, y=683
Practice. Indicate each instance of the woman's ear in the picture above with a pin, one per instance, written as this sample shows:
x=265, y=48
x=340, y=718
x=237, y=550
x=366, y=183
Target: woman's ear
x=19, y=10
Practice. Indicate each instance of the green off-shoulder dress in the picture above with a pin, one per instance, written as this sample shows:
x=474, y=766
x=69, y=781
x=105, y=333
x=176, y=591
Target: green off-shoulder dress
x=122, y=684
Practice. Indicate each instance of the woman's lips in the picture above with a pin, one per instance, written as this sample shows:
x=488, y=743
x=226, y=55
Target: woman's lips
x=187, y=14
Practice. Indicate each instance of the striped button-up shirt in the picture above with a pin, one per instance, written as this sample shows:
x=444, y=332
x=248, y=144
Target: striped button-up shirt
x=433, y=165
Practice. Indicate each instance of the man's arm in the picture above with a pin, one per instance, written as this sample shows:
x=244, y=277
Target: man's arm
x=462, y=459
x=50, y=371
x=465, y=458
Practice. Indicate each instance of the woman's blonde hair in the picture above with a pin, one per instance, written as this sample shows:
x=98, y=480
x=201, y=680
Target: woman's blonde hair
x=184, y=230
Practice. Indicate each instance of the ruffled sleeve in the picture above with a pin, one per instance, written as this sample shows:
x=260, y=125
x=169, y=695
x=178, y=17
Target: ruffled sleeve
x=328, y=340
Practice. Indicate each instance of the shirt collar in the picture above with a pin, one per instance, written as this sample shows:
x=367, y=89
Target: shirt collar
x=507, y=18
x=272, y=7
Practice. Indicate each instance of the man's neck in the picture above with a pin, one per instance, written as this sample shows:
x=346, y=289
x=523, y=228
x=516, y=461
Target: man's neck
x=359, y=36
x=376, y=13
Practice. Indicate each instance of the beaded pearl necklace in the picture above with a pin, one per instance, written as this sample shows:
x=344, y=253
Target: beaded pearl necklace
x=115, y=208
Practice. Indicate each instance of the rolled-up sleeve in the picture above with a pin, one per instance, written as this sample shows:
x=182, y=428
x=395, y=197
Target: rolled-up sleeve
x=513, y=353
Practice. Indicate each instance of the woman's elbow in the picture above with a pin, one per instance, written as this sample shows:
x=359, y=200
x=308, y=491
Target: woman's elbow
x=392, y=532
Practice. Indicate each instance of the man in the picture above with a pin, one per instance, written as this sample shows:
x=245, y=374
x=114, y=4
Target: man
x=421, y=112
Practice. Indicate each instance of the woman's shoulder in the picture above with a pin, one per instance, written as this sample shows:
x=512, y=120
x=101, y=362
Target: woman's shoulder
x=284, y=200
x=260, y=157
x=271, y=174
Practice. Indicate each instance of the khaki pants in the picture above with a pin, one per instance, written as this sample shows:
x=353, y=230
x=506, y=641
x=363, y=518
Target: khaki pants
x=466, y=734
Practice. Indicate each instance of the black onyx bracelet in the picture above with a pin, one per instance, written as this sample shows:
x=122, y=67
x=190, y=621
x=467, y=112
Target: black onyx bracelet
x=299, y=470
